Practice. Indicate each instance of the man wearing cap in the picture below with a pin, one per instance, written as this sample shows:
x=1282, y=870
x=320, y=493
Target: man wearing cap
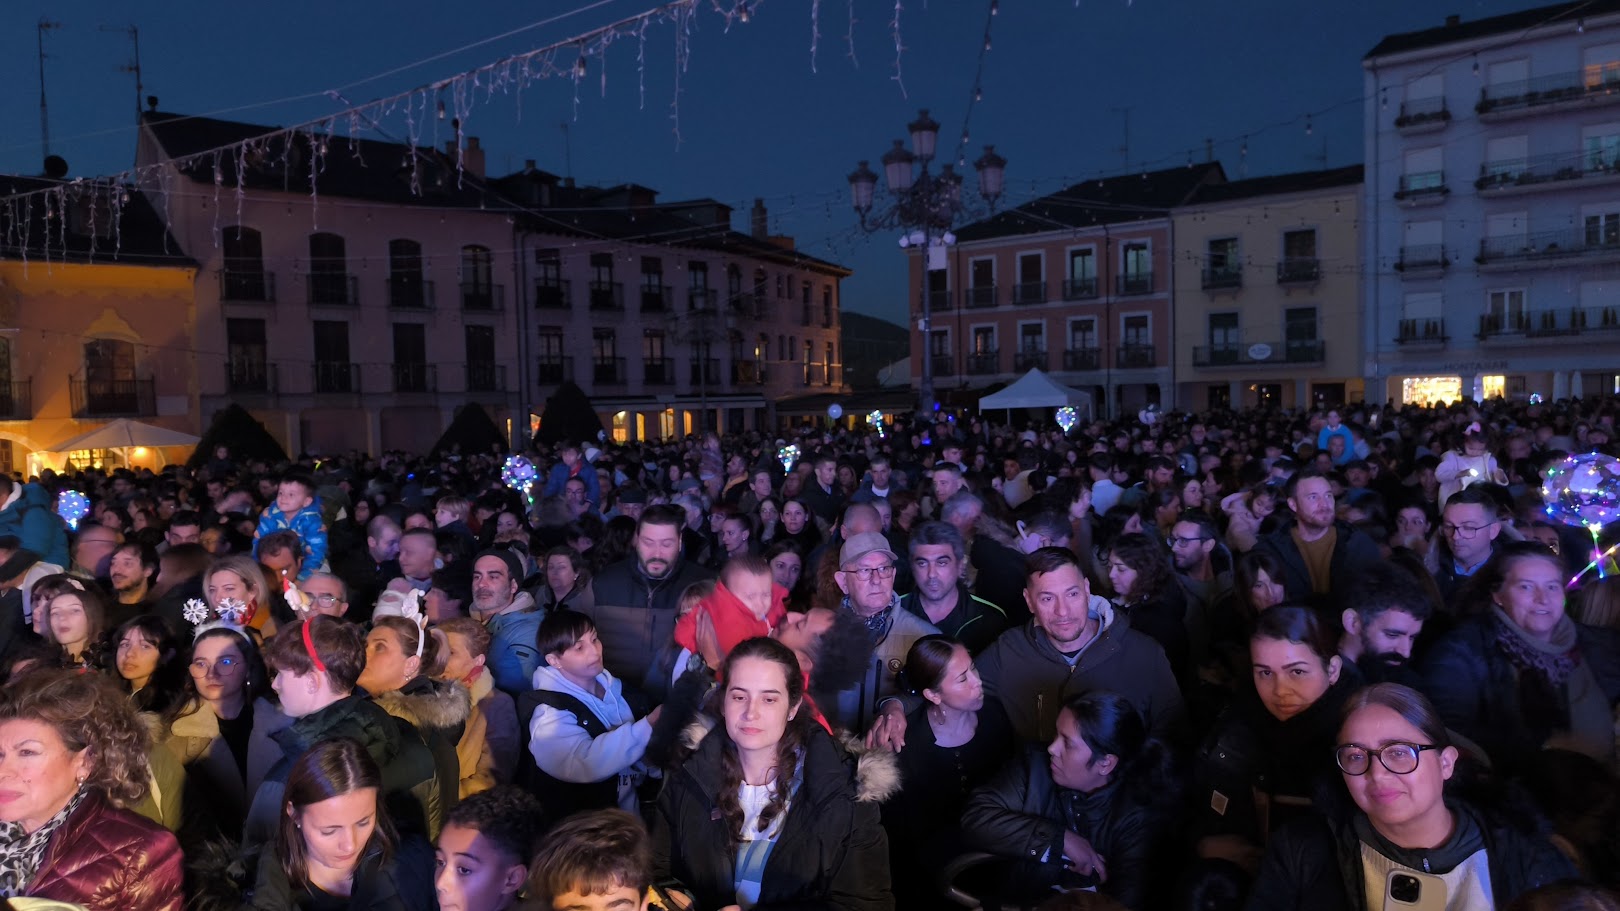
x=866, y=568
x=629, y=503
x=510, y=616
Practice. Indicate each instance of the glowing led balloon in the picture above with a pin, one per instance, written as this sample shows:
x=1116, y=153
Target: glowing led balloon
x=518, y=473
x=1583, y=490
x=875, y=418
x=1149, y=415
x=1067, y=417
x=788, y=455
x=1535, y=398
x=835, y=411
x=72, y=506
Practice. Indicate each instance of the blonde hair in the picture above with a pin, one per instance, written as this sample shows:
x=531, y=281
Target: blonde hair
x=460, y=507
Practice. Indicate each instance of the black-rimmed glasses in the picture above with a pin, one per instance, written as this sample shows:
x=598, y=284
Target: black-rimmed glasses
x=1399, y=757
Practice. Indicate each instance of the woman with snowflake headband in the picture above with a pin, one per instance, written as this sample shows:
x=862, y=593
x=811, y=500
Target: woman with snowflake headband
x=403, y=659
x=236, y=593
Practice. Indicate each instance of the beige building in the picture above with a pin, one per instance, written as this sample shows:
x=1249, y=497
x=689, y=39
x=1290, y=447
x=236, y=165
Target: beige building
x=1267, y=292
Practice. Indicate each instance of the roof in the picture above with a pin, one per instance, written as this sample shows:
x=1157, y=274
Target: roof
x=106, y=223
x=383, y=172
x=1110, y=200
x=1278, y=185
x=1505, y=24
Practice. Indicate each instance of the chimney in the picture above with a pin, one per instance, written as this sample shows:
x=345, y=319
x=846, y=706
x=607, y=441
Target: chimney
x=759, y=221
x=528, y=166
x=472, y=160
x=450, y=149
x=1453, y=20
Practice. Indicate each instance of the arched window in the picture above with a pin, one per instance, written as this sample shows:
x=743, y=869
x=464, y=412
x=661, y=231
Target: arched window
x=329, y=270
x=243, y=277
x=405, y=285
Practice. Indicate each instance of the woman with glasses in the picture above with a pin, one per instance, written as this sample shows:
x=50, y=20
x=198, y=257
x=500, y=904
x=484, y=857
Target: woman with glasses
x=208, y=731
x=1406, y=831
x=1520, y=676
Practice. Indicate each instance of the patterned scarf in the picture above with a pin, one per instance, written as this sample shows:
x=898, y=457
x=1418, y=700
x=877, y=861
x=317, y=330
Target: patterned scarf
x=1543, y=670
x=21, y=853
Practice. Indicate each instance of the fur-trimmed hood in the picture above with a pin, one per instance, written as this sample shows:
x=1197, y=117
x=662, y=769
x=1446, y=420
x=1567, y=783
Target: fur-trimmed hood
x=877, y=771
x=428, y=703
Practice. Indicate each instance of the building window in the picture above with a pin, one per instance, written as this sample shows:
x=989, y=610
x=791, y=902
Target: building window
x=829, y=362
x=1138, y=261
x=1081, y=280
x=652, y=273
x=109, y=377
x=328, y=270
x=1221, y=263
x=477, y=278
x=1136, y=330
x=405, y=285
x=826, y=307
x=410, y=358
x=984, y=340
x=1504, y=310
x=333, y=370
x=1032, y=338
x=1601, y=146
x=601, y=269
x=483, y=373
x=1603, y=229
x=699, y=297
x=245, y=355
x=604, y=345
x=243, y=277
x=1223, y=332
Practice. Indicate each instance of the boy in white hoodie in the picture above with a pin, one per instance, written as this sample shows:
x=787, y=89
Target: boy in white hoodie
x=585, y=741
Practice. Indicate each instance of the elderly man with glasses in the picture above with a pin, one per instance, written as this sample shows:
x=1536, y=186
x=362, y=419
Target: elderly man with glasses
x=866, y=568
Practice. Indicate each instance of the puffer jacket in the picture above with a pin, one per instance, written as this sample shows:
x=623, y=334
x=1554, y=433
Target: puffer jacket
x=403, y=883
x=439, y=711
x=1031, y=678
x=512, y=652
x=410, y=782
x=1022, y=813
x=28, y=515
x=635, y=615
x=1314, y=863
x=109, y=859
x=830, y=852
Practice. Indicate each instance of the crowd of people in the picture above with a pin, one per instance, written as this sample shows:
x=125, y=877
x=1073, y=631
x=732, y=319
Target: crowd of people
x=1337, y=659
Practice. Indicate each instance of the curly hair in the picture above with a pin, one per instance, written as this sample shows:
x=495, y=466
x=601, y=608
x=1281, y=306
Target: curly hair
x=89, y=713
x=1154, y=574
x=788, y=750
x=843, y=654
x=507, y=816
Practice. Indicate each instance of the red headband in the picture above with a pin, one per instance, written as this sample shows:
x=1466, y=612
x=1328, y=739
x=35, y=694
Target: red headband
x=309, y=646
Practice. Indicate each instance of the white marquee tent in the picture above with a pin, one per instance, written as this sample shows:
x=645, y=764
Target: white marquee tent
x=1037, y=390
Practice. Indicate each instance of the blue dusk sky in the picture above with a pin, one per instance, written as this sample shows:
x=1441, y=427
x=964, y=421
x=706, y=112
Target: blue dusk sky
x=757, y=117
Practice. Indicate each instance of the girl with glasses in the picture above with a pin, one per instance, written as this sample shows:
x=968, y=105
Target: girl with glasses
x=1406, y=831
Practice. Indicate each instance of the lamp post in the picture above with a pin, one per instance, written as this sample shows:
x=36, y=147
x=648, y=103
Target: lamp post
x=923, y=206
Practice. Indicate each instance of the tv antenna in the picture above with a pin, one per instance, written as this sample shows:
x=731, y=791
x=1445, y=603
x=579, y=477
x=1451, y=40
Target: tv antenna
x=45, y=25
x=134, y=66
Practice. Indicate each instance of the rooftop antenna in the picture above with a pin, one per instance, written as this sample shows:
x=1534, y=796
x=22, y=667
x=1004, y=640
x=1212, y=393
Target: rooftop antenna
x=44, y=118
x=134, y=66
x=1125, y=147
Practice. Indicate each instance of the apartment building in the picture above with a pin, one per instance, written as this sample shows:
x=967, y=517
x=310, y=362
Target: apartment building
x=1076, y=283
x=1492, y=202
x=1267, y=292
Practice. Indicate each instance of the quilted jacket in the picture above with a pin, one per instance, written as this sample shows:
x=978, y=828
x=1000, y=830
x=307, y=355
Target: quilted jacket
x=108, y=859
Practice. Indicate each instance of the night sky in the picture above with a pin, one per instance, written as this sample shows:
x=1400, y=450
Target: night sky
x=755, y=120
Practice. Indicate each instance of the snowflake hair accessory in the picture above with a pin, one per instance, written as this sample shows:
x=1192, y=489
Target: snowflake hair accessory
x=234, y=611
x=226, y=625
x=196, y=612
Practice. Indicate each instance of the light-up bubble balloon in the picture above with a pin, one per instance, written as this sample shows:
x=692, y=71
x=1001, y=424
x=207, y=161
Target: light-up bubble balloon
x=1067, y=417
x=518, y=473
x=1584, y=490
x=1535, y=398
x=788, y=455
x=875, y=418
x=72, y=506
x=1149, y=415
x=835, y=411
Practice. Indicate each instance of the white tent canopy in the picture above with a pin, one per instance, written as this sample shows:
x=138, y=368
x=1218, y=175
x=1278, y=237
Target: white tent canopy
x=123, y=435
x=1037, y=390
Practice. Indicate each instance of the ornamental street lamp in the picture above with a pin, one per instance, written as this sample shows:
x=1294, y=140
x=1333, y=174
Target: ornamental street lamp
x=922, y=206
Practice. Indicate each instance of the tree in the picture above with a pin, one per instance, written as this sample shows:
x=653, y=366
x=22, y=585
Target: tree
x=239, y=431
x=568, y=416
x=473, y=430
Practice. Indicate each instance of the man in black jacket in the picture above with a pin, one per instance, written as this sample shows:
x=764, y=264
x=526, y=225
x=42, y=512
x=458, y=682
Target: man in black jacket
x=635, y=600
x=1320, y=555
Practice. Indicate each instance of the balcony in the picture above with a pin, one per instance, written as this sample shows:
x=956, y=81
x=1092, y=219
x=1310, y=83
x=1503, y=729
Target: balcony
x=553, y=295
x=1543, y=325
x=1079, y=289
x=1541, y=94
x=251, y=377
x=486, y=377
x=113, y=398
x=608, y=371
x=1422, y=115
x=815, y=374
x=1222, y=278
x=656, y=298
x=705, y=372
x=702, y=299
x=335, y=377
x=482, y=297
x=1026, y=359
x=980, y=298
x=1547, y=250
x=1422, y=261
x=942, y=364
x=1424, y=188
x=607, y=296
x=658, y=371
x=939, y=300
x=16, y=401
x=1133, y=284
x=1416, y=331
x=415, y=377
x=1127, y=357
x=332, y=289
x=254, y=286
x=1082, y=359
x=554, y=371
x=410, y=294
x=1029, y=293
x=985, y=362
x=1299, y=270
x=1545, y=172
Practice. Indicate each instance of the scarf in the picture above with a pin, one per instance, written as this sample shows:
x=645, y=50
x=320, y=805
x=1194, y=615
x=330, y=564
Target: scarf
x=21, y=853
x=878, y=624
x=1543, y=670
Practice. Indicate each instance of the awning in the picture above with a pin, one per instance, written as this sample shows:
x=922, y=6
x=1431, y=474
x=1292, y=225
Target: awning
x=125, y=434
